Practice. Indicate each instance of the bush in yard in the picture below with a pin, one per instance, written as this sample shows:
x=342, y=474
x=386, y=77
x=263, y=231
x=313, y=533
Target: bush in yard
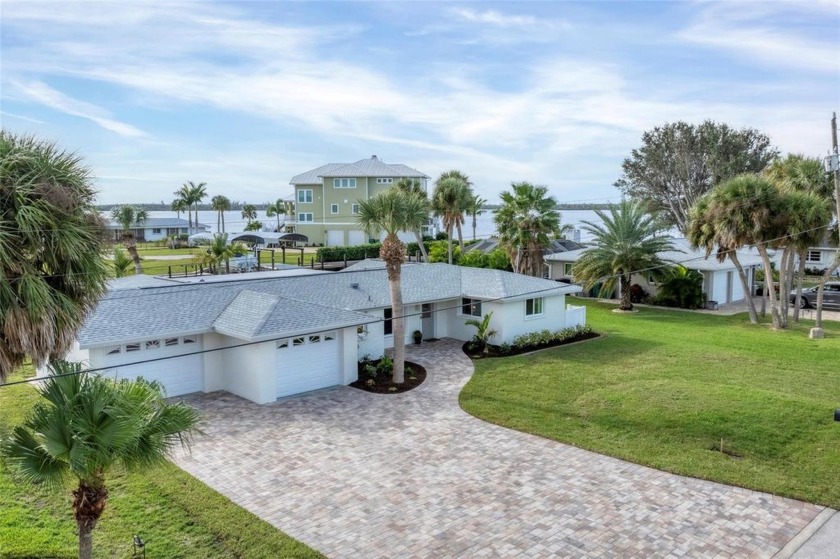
x=637, y=293
x=681, y=288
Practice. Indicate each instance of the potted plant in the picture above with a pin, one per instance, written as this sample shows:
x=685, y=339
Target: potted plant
x=418, y=336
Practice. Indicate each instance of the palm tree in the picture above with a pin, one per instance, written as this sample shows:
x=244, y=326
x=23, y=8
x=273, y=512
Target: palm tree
x=52, y=247
x=474, y=209
x=526, y=220
x=219, y=251
x=220, y=204
x=449, y=201
x=184, y=202
x=626, y=242
x=392, y=211
x=278, y=208
x=483, y=333
x=415, y=188
x=179, y=205
x=249, y=212
x=121, y=263
x=128, y=216
x=88, y=424
x=197, y=194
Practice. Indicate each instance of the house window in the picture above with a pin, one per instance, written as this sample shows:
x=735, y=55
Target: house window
x=334, y=208
x=305, y=216
x=384, y=181
x=156, y=231
x=168, y=342
x=534, y=306
x=344, y=183
x=283, y=344
x=567, y=269
x=114, y=350
x=314, y=339
x=355, y=208
x=189, y=339
x=297, y=341
x=389, y=324
x=132, y=347
x=813, y=256
x=470, y=307
x=329, y=336
x=304, y=196
x=153, y=344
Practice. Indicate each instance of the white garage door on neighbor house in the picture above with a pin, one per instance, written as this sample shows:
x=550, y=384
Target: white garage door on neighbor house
x=307, y=363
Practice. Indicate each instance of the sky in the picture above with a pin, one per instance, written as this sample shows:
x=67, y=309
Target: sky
x=244, y=95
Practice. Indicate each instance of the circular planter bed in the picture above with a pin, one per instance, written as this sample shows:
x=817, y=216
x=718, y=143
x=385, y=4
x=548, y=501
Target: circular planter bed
x=375, y=376
x=497, y=351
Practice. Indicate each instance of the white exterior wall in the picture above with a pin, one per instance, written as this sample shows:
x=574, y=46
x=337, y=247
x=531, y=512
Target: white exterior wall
x=214, y=379
x=372, y=342
x=451, y=322
x=349, y=355
x=717, y=291
x=509, y=318
x=249, y=370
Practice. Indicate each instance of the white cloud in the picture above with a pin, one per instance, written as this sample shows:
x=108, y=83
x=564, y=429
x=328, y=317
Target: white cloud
x=493, y=17
x=21, y=117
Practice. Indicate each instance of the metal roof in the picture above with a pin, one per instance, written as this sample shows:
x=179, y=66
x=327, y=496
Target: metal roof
x=373, y=167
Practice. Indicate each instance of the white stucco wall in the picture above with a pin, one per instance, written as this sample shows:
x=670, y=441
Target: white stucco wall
x=349, y=355
x=509, y=318
x=248, y=371
x=213, y=363
x=372, y=343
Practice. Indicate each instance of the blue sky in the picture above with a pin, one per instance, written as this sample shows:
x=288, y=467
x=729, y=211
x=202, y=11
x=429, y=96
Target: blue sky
x=245, y=95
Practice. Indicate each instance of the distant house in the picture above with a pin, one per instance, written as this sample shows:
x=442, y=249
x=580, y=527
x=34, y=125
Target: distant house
x=272, y=336
x=326, y=198
x=156, y=229
x=820, y=257
x=720, y=279
x=554, y=247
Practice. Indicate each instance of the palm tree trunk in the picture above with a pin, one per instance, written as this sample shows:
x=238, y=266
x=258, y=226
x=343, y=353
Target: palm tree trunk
x=131, y=248
x=745, y=286
x=392, y=253
x=460, y=236
x=800, y=276
x=449, y=240
x=223, y=222
x=474, y=225
x=769, y=288
x=626, y=304
x=785, y=283
x=89, y=501
x=420, y=245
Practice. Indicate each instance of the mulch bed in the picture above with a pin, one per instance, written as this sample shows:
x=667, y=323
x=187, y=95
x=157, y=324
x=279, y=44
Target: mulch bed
x=382, y=383
x=495, y=352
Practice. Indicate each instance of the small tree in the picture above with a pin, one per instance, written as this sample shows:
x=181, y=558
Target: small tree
x=87, y=425
x=682, y=288
x=483, y=333
x=121, y=263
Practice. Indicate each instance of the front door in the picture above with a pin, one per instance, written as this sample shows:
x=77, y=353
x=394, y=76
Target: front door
x=427, y=318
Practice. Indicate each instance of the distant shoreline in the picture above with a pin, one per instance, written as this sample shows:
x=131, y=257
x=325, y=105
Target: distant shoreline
x=261, y=207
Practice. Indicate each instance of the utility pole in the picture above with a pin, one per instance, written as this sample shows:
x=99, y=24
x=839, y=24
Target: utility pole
x=832, y=165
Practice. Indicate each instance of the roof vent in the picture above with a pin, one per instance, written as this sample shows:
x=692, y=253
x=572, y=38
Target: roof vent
x=373, y=157
x=354, y=285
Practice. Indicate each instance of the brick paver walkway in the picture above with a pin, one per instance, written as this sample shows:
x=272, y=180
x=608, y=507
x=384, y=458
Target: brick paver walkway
x=370, y=476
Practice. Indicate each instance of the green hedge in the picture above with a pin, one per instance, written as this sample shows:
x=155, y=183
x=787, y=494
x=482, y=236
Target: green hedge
x=358, y=252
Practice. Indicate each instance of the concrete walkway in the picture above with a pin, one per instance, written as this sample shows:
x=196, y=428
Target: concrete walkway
x=362, y=475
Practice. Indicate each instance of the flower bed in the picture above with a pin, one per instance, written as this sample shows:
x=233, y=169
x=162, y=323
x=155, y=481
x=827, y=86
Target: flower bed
x=526, y=343
x=375, y=376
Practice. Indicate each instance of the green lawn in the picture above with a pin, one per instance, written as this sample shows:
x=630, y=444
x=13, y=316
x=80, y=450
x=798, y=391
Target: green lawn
x=663, y=387
x=176, y=514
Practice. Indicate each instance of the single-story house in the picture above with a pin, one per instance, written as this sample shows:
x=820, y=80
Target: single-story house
x=555, y=245
x=156, y=229
x=820, y=257
x=720, y=279
x=267, y=338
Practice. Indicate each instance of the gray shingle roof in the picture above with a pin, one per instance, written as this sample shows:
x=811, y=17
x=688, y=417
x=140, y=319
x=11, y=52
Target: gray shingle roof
x=372, y=167
x=280, y=306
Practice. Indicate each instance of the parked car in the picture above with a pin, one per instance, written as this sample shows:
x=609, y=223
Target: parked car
x=831, y=298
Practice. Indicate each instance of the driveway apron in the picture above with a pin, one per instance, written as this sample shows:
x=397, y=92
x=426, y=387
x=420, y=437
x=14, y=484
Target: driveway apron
x=362, y=475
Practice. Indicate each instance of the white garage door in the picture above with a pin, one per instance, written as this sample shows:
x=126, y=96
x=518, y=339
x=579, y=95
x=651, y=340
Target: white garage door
x=179, y=375
x=356, y=238
x=335, y=238
x=307, y=363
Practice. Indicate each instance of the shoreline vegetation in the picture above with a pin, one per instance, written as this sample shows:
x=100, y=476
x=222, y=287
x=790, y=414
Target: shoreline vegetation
x=237, y=205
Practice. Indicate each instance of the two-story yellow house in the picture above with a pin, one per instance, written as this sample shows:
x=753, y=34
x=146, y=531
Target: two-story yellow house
x=326, y=198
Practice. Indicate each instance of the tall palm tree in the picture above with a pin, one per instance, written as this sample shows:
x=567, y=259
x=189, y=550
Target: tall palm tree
x=415, y=187
x=179, y=205
x=85, y=426
x=627, y=241
x=128, y=217
x=197, y=194
x=392, y=211
x=526, y=221
x=474, y=209
x=463, y=199
x=249, y=212
x=449, y=199
x=278, y=208
x=220, y=204
x=184, y=202
x=52, y=246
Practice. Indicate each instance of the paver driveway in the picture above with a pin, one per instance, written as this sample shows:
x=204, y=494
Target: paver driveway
x=411, y=475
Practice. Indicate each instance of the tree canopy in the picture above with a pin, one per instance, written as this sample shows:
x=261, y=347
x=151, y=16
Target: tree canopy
x=526, y=221
x=679, y=162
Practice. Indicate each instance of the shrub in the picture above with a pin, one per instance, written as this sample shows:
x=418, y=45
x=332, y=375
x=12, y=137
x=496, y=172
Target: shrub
x=637, y=293
x=441, y=236
x=546, y=337
x=338, y=254
x=505, y=348
x=385, y=366
x=682, y=288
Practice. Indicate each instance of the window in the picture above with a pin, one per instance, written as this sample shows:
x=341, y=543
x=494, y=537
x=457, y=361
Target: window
x=329, y=336
x=304, y=196
x=355, y=208
x=314, y=339
x=334, y=208
x=155, y=231
x=168, y=342
x=153, y=344
x=114, y=350
x=384, y=181
x=426, y=310
x=389, y=325
x=297, y=341
x=305, y=216
x=189, y=339
x=567, y=269
x=813, y=256
x=132, y=347
x=534, y=306
x=344, y=183
x=470, y=307
x=283, y=344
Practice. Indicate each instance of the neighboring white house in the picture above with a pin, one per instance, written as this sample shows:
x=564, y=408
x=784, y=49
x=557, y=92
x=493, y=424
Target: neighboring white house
x=156, y=229
x=720, y=279
x=820, y=257
x=267, y=338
